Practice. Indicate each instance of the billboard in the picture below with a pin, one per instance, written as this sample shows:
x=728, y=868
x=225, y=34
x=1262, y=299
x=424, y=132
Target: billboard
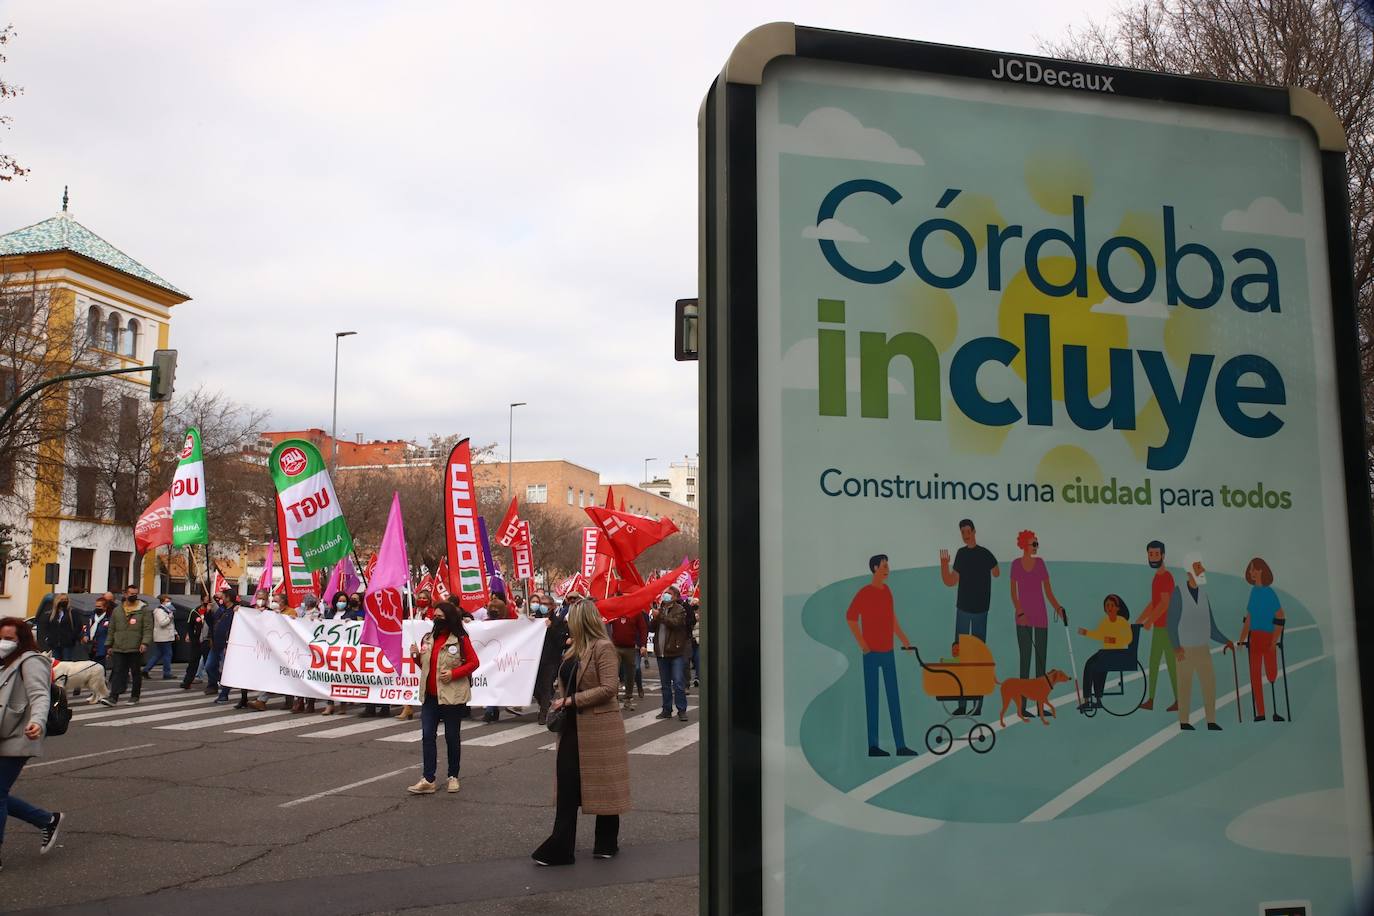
x=1032, y=406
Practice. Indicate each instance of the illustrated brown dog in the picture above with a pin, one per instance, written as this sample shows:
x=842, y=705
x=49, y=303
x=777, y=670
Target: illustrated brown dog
x=1020, y=689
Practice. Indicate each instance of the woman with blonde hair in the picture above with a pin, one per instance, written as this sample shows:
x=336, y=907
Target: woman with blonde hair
x=593, y=765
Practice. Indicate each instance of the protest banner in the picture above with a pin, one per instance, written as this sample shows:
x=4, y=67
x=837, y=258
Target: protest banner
x=189, y=520
x=327, y=659
x=154, y=527
x=307, y=503
x=464, y=554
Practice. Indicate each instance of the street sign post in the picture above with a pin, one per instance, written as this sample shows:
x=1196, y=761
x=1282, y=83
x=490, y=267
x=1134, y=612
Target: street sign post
x=983, y=336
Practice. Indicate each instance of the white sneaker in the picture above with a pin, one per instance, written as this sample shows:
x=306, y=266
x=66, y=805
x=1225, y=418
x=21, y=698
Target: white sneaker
x=452, y=785
x=423, y=787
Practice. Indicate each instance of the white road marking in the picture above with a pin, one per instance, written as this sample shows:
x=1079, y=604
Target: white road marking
x=1065, y=702
x=632, y=724
x=124, y=709
x=505, y=736
x=157, y=717
x=352, y=785
x=1101, y=776
x=671, y=742
x=223, y=720
x=118, y=750
x=415, y=736
x=301, y=721
x=356, y=728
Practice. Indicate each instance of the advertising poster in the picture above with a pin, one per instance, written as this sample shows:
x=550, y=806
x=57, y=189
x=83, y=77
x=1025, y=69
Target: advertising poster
x=1057, y=610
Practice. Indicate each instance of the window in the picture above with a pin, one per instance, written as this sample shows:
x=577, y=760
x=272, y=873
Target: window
x=85, y=492
x=691, y=499
x=691, y=481
x=125, y=498
x=8, y=466
x=131, y=337
x=92, y=402
x=113, y=329
x=119, y=571
x=93, y=322
x=536, y=493
x=79, y=577
x=128, y=422
x=581, y=499
x=570, y=496
x=20, y=306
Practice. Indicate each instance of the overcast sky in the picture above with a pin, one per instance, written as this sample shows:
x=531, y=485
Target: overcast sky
x=499, y=198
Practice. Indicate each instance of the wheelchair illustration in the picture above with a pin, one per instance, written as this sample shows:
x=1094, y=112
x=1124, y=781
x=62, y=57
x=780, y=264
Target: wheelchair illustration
x=1122, y=694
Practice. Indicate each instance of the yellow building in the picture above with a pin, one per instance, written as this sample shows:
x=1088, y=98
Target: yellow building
x=110, y=312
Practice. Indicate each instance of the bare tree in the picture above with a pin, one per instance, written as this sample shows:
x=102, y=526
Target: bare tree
x=1320, y=45
x=9, y=169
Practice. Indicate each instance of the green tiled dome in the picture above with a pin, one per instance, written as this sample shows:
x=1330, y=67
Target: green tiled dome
x=62, y=233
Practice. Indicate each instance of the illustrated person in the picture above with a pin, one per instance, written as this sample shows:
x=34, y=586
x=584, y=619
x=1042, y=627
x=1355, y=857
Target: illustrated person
x=25, y=677
x=1153, y=619
x=1192, y=627
x=873, y=621
x=972, y=572
x=592, y=765
x=1114, y=632
x=1030, y=585
x=1263, y=614
x=446, y=660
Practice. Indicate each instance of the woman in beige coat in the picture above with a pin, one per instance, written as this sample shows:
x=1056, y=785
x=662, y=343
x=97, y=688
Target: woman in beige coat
x=593, y=766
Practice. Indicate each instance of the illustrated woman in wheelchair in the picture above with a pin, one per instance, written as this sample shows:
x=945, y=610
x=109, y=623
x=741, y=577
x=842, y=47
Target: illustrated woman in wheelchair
x=1105, y=673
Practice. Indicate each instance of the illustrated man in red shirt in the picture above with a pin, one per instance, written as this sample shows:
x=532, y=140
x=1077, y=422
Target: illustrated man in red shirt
x=873, y=622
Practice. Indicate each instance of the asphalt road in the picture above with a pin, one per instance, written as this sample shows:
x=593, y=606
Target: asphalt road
x=172, y=807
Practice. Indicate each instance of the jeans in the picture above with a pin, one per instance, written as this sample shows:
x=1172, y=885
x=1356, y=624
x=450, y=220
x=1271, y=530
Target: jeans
x=885, y=662
x=124, y=665
x=162, y=652
x=194, y=664
x=12, y=804
x=432, y=712
x=973, y=624
x=213, y=662
x=64, y=653
x=696, y=660
x=672, y=678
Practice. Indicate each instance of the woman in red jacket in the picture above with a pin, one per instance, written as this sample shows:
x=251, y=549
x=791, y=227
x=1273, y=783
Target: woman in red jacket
x=446, y=661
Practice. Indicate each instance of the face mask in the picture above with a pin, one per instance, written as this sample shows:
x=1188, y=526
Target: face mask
x=440, y=622
x=261, y=603
x=275, y=606
x=7, y=647
x=341, y=605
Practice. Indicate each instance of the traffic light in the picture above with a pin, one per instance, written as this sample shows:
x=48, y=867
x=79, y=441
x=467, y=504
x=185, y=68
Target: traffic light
x=164, y=375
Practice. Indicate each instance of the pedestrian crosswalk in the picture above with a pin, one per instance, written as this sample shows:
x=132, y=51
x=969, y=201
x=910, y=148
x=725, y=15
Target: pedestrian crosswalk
x=171, y=710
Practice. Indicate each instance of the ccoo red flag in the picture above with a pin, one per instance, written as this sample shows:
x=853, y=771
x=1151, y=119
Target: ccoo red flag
x=625, y=536
x=508, y=532
x=641, y=598
x=154, y=527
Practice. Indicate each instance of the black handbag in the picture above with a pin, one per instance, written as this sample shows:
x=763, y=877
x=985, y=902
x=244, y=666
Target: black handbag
x=557, y=717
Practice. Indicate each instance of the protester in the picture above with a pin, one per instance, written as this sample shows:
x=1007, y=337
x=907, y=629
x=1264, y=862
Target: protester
x=341, y=608
x=592, y=763
x=555, y=639
x=276, y=606
x=338, y=606
x=131, y=632
x=695, y=608
x=98, y=632
x=222, y=624
x=197, y=638
x=164, y=638
x=63, y=630
x=25, y=677
x=672, y=645
x=497, y=609
x=446, y=661
x=311, y=612
x=630, y=634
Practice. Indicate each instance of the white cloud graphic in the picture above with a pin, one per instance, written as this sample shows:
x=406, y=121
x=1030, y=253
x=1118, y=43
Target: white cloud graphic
x=837, y=134
x=1311, y=824
x=800, y=370
x=1146, y=309
x=1265, y=216
x=835, y=231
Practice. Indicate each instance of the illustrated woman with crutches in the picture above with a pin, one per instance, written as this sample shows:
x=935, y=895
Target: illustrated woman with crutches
x=1262, y=632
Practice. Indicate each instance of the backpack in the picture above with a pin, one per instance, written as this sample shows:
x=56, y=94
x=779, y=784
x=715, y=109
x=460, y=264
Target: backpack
x=59, y=713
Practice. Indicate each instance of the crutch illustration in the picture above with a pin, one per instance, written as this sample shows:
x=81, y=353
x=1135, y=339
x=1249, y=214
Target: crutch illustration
x=1235, y=677
x=1283, y=666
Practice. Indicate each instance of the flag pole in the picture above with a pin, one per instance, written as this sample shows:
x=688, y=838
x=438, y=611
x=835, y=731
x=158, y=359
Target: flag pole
x=362, y=570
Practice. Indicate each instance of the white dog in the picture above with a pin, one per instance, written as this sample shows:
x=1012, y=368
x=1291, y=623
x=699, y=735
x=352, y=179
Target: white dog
x=83, y=676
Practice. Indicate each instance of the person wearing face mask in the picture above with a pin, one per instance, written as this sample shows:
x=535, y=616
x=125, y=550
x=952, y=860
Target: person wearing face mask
x=276, y=606
x=131, y=632
x=164, y=637
x=672, y=646
x=197, y=641
x=222, y=624
x=338, y=610
x=98, y=631
x=446, y=660
x=25, y=677
x=355, y=607
x=555, y=638
x=497, y=609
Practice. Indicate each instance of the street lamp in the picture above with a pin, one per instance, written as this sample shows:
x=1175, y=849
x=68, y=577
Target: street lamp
x=646, y=469
x=510, y=449
x=334, y=427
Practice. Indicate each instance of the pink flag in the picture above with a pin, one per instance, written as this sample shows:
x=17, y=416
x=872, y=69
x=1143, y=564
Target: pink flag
x=265, y=580
x=342, y=579
x=391, y=576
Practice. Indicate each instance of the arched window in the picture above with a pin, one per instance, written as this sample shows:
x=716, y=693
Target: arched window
x=131, y=338
x=113, y=327
x=93, y=325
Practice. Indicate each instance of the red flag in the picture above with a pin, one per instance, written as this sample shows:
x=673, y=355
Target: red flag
x=221, y=585
x=522, y=552
x=441, y=581
x=641, y=598
x=468, y=574
x=626, y=536
x=154, y=527
x=371, y=566
x=622, y=504
x=508, y=532
x=610, y=497
x=590, y=535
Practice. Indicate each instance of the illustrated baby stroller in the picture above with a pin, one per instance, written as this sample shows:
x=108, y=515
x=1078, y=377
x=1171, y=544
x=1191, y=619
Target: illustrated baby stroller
x=1122, y=696
x=962, y=681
